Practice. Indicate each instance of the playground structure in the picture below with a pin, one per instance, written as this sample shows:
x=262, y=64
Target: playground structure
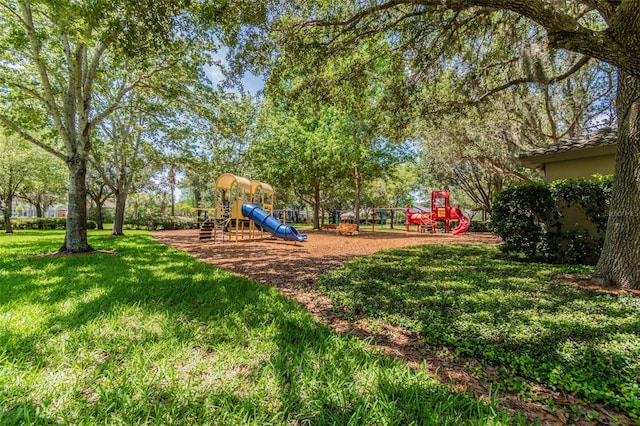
x=243, y=205
x=441, y=210
x=425, y=219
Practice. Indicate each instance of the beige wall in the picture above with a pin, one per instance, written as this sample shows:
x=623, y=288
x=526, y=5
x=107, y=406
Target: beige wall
x=580, y=167
x=574, y=217
x=582, y=163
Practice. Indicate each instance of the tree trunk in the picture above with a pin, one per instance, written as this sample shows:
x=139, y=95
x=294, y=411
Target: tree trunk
x=99, y=217
x=356, y=201
x=75, y=239
x=197, y=198
x=316, y=206
x=118, y=219
x=7, y=215
x=392, y=217
x=97, y=200
x=39, y=210
x=618, y=263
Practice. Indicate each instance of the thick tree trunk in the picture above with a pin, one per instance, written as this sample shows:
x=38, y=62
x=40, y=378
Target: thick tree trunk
x=75, y=239
x=39, y=210
x=620, y=259
x=7, y=215
x=118, y=219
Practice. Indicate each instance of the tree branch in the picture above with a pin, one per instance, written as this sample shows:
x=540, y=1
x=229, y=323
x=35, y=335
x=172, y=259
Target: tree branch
x=123, y=92
x=605, y=8
x=14, y=127
x=34, y=94
x=496, y=166
x=515, y=82
x=27, y=18
x=563, y=30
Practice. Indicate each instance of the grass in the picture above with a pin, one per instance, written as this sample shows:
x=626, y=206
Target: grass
x=513, y=315
x=150, y=335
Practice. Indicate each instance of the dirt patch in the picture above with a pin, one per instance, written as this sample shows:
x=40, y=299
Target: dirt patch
x=294, y=267
x=66, y=253
x=584, y=282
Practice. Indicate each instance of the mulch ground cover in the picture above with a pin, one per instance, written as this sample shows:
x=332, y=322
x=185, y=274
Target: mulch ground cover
x=294, y=267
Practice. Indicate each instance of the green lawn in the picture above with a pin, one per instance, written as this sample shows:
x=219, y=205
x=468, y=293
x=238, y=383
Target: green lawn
x=513, y=315
x=150, y=335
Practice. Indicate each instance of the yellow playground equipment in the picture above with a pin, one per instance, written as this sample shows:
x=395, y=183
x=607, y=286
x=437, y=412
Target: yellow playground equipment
x=226, y=218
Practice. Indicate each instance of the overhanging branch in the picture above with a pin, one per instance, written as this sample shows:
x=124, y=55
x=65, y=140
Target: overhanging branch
x=25, y=135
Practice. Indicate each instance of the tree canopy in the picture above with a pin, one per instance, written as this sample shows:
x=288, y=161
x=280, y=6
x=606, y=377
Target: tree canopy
x=58, y=57
x=457, y=53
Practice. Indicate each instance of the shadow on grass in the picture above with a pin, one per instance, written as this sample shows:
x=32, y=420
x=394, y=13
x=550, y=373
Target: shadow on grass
x=152, y=335
x=509, y=314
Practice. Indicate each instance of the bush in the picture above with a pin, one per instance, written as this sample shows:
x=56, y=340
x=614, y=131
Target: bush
x=39, y=223
x=593, y=196
x=43, y=223
x=108, y=214
x=529, y=220
x=155, y=222
x=479, y=226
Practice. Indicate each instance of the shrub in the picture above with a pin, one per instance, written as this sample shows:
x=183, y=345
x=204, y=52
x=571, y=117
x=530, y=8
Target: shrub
x=479, y=226
x=593, y=196
x=39, y=223
x=523, y=216
x=155, y=222
x=108, y=214
x=529, y=220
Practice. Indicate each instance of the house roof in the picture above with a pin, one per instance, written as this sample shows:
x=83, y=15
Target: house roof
x=604, y=137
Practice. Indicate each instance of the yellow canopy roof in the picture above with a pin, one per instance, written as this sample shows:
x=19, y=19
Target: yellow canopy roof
x=226, y=181
x=266, y=188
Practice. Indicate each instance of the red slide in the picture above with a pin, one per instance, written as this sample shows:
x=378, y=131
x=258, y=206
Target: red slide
x=463, y=221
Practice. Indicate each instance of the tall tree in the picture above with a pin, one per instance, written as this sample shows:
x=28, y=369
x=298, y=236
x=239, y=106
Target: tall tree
x=119, y=154
x=47, y=183
x=301, y=151
x=56, y=57
x=360, y=103
x=434, y=36
x=53, y=53
x=18, y=167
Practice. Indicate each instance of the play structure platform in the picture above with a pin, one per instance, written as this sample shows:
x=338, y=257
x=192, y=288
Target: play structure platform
x=441, y=210
x=242, y=208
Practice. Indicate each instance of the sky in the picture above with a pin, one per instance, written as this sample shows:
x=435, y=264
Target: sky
x=250, y=82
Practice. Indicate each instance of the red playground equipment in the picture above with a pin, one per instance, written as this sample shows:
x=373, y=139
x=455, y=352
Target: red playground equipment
x=441, y=210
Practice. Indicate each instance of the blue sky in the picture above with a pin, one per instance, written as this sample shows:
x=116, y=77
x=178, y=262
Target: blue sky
x=250, y=82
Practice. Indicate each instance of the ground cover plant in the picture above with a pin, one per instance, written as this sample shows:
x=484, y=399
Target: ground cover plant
x=150, y=335
x=509, y=314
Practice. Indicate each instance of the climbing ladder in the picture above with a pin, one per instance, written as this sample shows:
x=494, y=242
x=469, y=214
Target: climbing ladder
x=206, y=229
x=214, y=230
x=427, y=225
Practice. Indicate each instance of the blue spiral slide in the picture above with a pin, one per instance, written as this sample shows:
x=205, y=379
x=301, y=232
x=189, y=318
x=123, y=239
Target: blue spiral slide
x=271, y=224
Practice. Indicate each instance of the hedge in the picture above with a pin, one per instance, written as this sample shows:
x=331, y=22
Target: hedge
x=156, y=222
x=528, y=218
x=18, y=223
